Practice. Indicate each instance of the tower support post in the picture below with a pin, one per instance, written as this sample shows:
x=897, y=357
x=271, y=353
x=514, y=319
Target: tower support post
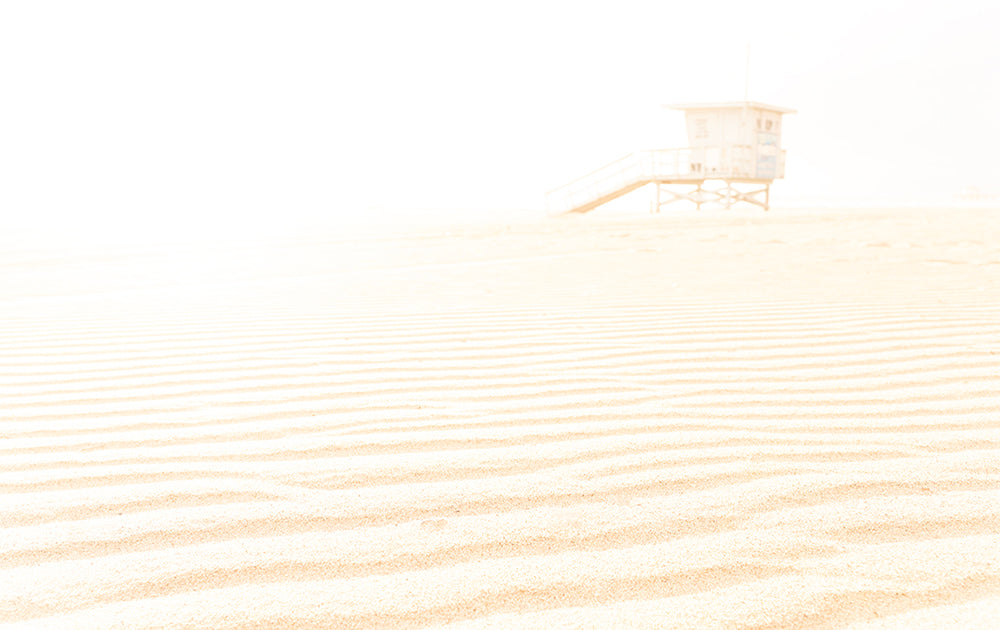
x=721, y=193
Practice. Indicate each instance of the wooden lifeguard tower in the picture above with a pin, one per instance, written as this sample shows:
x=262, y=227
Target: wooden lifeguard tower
x=733, y=154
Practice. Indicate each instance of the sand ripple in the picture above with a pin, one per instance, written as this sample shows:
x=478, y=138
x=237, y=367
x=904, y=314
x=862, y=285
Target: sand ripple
x=742, y=422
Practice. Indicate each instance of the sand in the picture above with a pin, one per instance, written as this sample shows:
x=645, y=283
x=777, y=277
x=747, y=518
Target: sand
x=692, y=420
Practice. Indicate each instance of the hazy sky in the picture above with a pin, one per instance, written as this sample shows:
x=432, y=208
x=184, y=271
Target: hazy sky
x=158, y=113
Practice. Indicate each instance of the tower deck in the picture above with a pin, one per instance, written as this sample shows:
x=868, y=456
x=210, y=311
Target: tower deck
x=692, y=166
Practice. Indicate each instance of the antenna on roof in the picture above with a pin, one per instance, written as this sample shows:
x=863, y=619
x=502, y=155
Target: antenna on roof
x=746, y=97
x=746, y=83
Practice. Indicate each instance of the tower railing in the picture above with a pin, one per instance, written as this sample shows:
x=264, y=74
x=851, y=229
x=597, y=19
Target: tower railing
x=666, y=166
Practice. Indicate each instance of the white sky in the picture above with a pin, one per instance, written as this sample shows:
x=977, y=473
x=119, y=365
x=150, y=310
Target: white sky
x=158, y=114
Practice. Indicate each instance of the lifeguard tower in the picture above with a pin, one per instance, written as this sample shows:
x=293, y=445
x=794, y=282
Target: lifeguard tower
x=733, y=154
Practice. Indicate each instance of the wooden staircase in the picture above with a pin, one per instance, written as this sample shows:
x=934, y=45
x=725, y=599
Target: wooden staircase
x=731, y=165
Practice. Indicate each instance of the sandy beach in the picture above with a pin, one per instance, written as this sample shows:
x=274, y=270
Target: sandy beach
x=690, y=420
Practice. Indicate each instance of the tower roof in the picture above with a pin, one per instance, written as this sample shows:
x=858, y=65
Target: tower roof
x=732, y=105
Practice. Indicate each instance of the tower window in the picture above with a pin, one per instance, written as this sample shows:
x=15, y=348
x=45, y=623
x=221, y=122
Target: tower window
x=700, y=128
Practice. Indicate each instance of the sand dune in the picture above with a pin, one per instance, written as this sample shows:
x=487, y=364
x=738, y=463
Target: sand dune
x=695, y=420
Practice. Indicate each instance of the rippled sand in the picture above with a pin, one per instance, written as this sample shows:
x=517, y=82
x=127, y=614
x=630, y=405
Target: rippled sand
x=694, y=420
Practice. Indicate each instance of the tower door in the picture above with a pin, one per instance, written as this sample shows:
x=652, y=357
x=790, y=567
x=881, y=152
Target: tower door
x=767, y=155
